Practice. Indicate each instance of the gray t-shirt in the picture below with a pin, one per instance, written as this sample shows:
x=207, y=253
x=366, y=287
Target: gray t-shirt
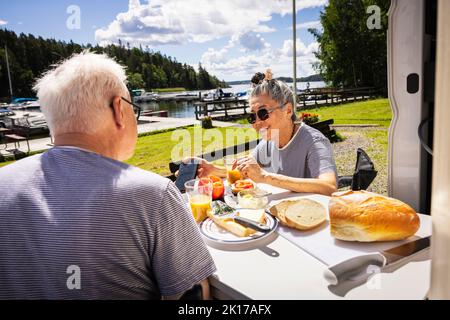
x=71, y=218
x=307, y=155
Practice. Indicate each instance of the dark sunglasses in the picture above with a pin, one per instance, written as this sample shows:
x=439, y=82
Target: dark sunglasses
x=262, y=114
x=136, y=109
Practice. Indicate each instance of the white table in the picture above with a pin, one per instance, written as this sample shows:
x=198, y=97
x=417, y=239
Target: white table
x=278, y=269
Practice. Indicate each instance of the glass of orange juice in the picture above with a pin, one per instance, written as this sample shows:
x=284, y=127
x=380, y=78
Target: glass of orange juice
x=199, y=192
x=233, y=175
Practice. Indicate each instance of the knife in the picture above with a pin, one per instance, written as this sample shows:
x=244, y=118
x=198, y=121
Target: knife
x=252, y=224
x=222, y=209
x=356, y=268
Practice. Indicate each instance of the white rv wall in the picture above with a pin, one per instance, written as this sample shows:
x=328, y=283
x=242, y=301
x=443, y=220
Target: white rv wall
x=405, y=56
x=440, y=201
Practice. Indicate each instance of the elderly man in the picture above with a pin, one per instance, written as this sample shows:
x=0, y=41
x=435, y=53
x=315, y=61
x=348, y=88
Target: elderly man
x=76, y=222
x=292, y=155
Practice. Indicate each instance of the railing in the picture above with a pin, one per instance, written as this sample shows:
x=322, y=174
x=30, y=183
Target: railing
x=159, y=113
x=226, y=107
x=330, y=96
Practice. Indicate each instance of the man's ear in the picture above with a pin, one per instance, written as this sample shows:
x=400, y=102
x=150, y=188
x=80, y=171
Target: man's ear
x=118, y=112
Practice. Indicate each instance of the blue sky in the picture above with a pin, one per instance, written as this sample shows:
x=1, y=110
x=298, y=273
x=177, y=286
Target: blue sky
x=231, y=38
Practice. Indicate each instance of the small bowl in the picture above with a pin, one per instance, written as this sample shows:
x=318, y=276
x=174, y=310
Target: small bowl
x=252, y=199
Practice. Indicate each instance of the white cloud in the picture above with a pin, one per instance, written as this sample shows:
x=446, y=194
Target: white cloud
x=214, y=56
x=309, y=24
x=3, y=22
x=302, y=49
x=237, y=68
x=160, y=22
x=280, y=61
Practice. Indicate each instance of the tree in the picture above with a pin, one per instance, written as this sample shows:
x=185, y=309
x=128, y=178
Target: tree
x=135, y=81
x=29, y=57
x=351, y=54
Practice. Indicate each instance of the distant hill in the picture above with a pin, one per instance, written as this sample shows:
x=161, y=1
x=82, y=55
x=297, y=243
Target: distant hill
x=312, y=78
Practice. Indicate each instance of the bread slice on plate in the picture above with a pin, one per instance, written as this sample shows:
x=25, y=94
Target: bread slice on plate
x=305, y=214
x=301, y=213
x=253, y=214
x=230, y=225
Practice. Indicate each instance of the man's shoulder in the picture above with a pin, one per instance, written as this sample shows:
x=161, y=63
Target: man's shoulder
x=20, y=168
x=140, y=177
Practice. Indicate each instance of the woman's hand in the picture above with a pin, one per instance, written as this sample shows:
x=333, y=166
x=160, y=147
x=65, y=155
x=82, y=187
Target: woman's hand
x=250, y=168
x=205, y=168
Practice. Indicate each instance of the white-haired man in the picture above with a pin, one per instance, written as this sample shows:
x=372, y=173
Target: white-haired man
x=76, y=222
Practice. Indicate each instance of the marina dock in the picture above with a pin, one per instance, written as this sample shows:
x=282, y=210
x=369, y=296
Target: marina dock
x=146, y=124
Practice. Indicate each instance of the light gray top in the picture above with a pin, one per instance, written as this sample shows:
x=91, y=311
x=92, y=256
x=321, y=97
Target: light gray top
x=307, y=155
x=126, y=232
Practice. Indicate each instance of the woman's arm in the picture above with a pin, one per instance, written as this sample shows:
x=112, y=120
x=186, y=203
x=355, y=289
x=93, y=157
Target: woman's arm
x=324, y=184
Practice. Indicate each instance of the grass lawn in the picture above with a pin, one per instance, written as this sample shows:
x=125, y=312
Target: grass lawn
x=154, y=152
x=2, y=164
x=362, y=112
x=159, y=90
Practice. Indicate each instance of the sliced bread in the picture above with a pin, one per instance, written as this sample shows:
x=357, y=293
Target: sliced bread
x=305, y=214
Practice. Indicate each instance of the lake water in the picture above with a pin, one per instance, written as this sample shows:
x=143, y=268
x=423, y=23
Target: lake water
x=186, y=109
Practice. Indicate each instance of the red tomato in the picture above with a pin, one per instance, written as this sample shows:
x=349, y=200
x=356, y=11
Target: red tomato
x=218, y=190
x=218, y=187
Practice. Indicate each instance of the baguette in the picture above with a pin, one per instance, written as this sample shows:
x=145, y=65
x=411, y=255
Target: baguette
x=365, y=216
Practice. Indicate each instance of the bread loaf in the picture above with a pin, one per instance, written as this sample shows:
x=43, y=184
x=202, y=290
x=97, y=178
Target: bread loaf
x=366, y=217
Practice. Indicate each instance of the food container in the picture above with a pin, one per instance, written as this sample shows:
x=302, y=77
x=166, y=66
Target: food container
x=252, y=199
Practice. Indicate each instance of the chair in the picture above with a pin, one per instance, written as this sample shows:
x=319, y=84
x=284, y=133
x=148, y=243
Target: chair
x=364, y=173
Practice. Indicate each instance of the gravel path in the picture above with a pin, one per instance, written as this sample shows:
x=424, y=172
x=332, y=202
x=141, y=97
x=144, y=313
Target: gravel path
x=345, y=155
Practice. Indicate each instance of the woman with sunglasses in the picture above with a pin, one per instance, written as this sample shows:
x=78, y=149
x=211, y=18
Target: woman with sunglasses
x=291, y=155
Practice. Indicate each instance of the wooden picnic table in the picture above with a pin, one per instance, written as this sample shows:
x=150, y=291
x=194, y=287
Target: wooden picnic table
x=16, y=139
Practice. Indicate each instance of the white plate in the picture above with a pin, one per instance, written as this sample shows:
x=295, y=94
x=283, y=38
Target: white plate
x=222, y=239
